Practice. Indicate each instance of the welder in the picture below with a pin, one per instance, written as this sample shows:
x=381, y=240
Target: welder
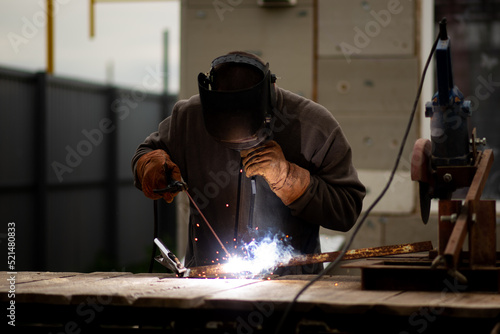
x=260, y=161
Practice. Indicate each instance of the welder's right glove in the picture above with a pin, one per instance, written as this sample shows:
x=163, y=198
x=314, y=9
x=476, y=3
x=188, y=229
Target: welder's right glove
x=287, y=180
x=155, y=170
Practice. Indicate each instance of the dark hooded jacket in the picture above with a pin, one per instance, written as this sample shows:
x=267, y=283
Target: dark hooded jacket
x=240, y=209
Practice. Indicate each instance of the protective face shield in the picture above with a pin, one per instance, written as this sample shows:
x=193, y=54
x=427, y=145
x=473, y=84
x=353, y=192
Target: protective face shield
x=239, y=119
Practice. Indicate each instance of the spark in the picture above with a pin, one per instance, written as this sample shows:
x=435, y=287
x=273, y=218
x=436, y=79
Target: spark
x=195, y=239
x=227, y=205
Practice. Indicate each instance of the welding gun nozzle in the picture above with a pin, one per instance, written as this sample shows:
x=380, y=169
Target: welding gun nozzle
x=173, y=187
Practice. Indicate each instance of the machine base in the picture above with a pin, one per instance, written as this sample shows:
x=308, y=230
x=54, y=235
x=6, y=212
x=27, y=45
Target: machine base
x=415, y=274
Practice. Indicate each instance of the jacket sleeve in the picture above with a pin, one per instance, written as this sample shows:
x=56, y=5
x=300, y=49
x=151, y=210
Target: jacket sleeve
x=152, y=142
x=335, y=195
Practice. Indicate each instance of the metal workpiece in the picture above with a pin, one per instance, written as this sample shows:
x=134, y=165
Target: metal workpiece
x=220, y=270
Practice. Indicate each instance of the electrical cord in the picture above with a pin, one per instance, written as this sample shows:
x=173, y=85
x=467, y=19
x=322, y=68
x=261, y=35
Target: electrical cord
x=346, y=247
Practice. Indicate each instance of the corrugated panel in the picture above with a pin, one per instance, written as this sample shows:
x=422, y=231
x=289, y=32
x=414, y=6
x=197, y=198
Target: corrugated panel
x=76, y=229
x=135, y=231
x=18, y=207
x=89, y=138
x=78, y=128
x=135, y=121
x=17, y=102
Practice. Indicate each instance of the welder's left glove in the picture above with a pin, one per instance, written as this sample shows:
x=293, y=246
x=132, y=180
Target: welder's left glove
x=286, y=179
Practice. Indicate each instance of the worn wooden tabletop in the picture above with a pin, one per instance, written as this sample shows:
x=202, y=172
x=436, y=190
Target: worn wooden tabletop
x=333, y=297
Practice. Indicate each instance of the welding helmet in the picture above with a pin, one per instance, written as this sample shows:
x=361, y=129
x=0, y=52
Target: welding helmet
x=239, y=119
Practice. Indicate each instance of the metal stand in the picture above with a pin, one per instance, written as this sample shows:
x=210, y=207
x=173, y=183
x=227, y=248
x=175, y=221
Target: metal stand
x=449, y=268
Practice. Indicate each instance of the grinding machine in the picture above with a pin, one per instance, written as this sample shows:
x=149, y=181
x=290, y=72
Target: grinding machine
x=452, y=169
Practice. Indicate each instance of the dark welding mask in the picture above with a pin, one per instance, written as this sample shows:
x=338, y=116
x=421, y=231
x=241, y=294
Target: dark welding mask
x=239, y=119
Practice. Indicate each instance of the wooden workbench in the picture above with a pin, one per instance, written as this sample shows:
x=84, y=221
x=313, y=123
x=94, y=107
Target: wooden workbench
x=65, y=302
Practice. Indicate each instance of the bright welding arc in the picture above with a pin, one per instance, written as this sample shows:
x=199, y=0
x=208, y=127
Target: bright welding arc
x=367, y=212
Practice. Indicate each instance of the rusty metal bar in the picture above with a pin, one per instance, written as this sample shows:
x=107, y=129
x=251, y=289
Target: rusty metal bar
x=219, y=270
x=360, y=253
x=215, y=270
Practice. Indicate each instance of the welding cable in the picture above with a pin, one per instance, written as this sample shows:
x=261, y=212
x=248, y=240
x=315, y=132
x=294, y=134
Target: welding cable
x=155, y=234
x=252, y=203
x=347, y=246
x=238, y=198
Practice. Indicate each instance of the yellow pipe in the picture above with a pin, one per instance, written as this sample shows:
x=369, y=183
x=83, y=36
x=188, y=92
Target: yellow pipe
x=50, y=37
x=92, y=33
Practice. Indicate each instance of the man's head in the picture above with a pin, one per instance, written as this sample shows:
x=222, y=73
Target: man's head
x=230, y=75
x=237, y=97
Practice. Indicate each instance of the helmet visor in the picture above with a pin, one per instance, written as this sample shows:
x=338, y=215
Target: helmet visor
x=236, y=118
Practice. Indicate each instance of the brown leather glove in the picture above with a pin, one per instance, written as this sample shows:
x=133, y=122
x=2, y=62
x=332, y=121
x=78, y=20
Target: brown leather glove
x=152, y=169
x=287, y=180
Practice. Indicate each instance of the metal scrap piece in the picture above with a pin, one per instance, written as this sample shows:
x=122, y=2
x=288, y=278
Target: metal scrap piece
x=219, y=270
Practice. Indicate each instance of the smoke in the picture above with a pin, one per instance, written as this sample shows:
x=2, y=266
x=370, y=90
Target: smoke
x=261, y=257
